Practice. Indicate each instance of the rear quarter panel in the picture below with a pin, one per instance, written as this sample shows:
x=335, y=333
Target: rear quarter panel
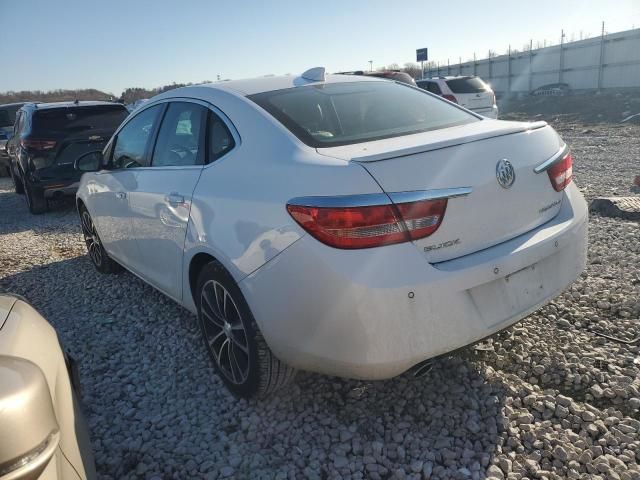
x=238, y=212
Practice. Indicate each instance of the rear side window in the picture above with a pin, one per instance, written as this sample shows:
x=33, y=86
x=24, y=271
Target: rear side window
x=180, y=137
x=467, y=85
x=219, y=140
x=346, y=113
x=79, y=119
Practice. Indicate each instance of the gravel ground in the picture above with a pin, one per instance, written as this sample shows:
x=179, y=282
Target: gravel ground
x=550, y=398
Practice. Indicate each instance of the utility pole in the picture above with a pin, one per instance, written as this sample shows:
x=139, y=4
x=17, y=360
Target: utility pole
x=561, y=70
x=509, y=71
x=601, y=63
x=371, y=65
x=530, y=64
x=490, y=69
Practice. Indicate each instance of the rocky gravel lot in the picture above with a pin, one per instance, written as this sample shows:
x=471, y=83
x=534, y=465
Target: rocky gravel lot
x=550, y=398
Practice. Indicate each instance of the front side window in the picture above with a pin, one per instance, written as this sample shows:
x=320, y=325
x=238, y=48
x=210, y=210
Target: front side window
x=132, y=141
x=180, y=136
x=346, y=113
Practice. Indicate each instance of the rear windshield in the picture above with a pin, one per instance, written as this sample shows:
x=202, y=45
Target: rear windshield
x=331, y=115
x=79, y=119
x=8, y=115
x=467, y=85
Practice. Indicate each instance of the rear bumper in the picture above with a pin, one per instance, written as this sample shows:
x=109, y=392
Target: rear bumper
x=374, y=313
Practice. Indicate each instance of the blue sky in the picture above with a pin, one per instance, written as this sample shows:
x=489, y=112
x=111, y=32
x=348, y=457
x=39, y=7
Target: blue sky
x=111, y=45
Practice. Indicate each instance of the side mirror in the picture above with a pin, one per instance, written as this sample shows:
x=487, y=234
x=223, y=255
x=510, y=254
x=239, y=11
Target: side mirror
x=29, y=434
x=89, y=162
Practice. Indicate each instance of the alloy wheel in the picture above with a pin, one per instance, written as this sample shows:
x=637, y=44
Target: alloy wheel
x=94, y=247
x=224, y=332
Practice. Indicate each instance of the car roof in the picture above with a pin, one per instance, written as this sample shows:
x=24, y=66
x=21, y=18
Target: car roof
x=52, y=105
x=251, y=86
x=451, y=77
x=16, y=104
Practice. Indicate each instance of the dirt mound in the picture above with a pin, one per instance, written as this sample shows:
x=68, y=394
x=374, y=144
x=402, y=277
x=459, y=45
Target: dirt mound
x=593, y=107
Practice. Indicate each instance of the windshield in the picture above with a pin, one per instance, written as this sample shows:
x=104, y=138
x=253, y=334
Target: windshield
x=337, y=114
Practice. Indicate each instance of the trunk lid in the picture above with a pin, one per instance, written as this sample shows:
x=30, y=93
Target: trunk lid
x=467, y=156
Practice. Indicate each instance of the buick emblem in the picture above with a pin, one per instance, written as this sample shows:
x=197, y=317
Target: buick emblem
x=505, y=173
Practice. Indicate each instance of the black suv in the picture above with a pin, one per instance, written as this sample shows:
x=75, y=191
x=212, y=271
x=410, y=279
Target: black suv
x=49, y=137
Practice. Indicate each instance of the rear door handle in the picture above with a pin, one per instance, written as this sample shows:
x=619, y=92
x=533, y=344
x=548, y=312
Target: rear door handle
x=121, y=195
x=174, y=199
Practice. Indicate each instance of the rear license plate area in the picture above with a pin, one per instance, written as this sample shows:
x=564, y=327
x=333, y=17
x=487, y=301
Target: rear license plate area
x=508, y=296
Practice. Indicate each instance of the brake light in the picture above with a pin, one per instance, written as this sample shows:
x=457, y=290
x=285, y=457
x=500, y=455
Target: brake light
x=451, y=98
x=37, y=144
x=370, y=226
x=561, y=173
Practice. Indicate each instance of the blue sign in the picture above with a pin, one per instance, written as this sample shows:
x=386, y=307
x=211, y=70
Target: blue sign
x=422, y=55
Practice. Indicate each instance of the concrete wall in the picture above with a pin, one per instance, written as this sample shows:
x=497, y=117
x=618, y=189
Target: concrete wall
x=611, y=61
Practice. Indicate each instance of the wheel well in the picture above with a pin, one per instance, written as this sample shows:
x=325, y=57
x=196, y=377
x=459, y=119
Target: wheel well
x=196, y=266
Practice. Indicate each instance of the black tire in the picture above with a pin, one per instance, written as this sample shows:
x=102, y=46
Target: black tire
x=35, y=200
x=17, y=183
x=264, y=373
x=96, y=252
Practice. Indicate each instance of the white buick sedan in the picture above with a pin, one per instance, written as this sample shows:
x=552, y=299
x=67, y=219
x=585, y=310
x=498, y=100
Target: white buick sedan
x=347, y=225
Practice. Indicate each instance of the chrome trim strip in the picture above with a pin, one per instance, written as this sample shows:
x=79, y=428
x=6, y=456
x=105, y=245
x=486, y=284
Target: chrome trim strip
x=363, y=200
x=418, y=195
x=371, y=199
x=559, y=155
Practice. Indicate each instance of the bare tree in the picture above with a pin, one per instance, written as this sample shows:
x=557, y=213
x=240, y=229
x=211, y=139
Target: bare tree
x=413, y=69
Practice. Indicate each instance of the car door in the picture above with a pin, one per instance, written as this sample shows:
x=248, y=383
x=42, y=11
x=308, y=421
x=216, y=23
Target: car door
x=108, y=190
x=160, y=202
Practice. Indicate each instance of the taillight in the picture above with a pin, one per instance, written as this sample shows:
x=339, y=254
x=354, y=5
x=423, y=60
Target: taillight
x=561, y=172
x=37, y=144
x=370, y=226
x=451, y=98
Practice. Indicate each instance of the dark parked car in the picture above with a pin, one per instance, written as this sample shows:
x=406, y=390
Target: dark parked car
x=7, y=119
x=47, y=139
x=552, y=90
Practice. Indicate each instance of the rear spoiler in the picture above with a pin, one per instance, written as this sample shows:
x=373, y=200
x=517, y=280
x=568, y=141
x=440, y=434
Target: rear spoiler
x=360, y=153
